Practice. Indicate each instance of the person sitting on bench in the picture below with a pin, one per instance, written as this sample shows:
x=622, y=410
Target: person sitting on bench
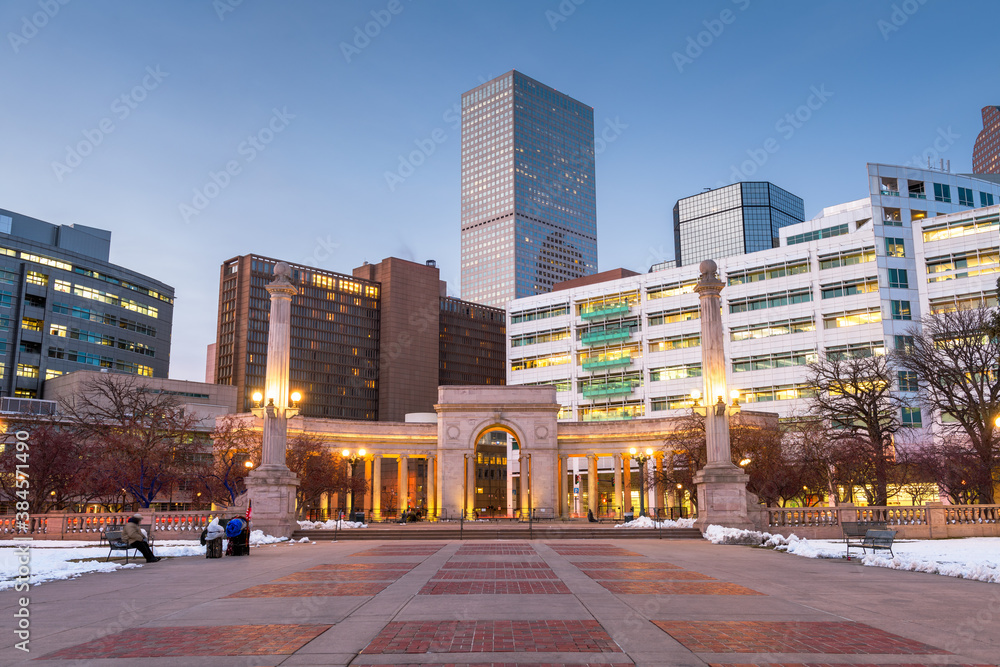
x=134, y=537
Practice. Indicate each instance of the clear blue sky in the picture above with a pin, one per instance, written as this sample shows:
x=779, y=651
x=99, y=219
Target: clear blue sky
x=317, y=193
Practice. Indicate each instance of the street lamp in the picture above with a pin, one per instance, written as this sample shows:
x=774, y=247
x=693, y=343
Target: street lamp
x=353, y=459
x=642, y=457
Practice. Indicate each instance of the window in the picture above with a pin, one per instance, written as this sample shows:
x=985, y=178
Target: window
x=31, y=324
x=63, y=286
x=539, y=313
x=27, y=371
x=774, y=360
x=676, y=315
x=57, y=330
x=856, y=350
x=36, y=278
x=894, y=247
x=986, y=199
x=907, y=381
x=898, y=279
x=892, y=217
x=759, y=273
x=903, y=343
x=675, y=342
x=917, y=215
x=961, y=227
x=815, y=235
x=942, y=193
x=916, y=190
x=768, y=329
x=846, y=258
x=965, y=197
x=911, y=418
x=900, y=310
x=675, y=372
x=849, y=287
x=772, y=300
x=852, y=318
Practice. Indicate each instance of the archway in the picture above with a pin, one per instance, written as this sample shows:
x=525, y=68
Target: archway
x=496, y=474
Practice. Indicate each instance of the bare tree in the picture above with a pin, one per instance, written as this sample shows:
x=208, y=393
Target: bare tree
x=954, y=358
x=854, y=398
x=235, y=442
x=143, y=439
x=320, y=470
x=56, y=461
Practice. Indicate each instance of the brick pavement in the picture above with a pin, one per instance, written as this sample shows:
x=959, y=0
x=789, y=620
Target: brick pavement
x=493, y=637
x=790, y=637
x=197, y=641
x=494, y=588
x=341, y=575
x=624, y=565
x=311, y=590
x=677, y=588
x=647, y=575
x=494, y=574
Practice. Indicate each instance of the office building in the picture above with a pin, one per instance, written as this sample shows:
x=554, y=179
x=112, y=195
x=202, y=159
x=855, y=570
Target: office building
x=529, y=214
x=733, y=220
x=64, y=306
x=853, y=280
x=986, y=152
x=370, y=346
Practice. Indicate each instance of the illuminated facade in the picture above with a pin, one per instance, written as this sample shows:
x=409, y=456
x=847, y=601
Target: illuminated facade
x=529, y=213
x=853, y=280
x=986, y=152
x=65, y=307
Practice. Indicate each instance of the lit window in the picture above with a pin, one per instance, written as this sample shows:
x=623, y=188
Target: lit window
x=36, y=278
x=894, y=247
x=27, y=371
x=63, y=286
x=900, y=310
x=912, y=418
x=31, y=324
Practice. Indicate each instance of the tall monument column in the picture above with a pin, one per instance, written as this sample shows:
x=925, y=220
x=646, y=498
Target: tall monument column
x=722, y=485
x=272, y=485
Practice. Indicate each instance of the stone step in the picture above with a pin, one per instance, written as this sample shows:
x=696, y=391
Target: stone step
x=543, y=532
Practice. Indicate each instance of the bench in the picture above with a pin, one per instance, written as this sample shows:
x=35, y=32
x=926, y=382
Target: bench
x=854, y=531
x=116, y=543
x=543, y=514
x=875, y=540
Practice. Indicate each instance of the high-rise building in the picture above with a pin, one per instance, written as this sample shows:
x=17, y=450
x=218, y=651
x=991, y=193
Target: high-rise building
x=529, y=212
x=986, y=152
x=732, y=220
x=64, y=307
x=374, y=345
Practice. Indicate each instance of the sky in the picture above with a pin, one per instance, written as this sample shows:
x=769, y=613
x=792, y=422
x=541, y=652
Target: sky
x=327, y=133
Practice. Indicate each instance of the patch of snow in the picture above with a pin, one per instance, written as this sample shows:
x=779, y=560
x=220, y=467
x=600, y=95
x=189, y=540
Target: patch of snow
x=646, y=522
x=257, y=538
x=330, y=525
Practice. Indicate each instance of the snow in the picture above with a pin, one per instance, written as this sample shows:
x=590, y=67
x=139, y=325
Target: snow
x=330, y=525
x=975, y=558
x=257, y=538
x=646, y=522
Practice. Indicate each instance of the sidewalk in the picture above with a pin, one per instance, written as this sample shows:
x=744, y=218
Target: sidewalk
x=623, y=602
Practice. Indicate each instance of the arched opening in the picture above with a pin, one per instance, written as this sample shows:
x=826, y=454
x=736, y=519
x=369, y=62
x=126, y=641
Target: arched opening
x=496, y=478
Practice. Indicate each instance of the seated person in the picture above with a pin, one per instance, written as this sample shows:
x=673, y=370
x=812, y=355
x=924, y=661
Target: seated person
x=135, y=538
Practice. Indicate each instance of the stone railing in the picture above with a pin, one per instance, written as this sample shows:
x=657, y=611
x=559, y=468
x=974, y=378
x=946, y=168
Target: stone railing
x=165, y=525
x=932, y=520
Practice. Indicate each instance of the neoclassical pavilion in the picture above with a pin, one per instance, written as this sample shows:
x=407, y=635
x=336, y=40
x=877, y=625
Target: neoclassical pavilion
x=447, y=449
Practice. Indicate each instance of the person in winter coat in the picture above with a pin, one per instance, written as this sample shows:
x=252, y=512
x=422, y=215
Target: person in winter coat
x=134, y=537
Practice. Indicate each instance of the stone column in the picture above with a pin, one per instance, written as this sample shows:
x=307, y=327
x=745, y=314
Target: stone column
x=403, y=484
x=658, y=485
x=627, y=483
x=722, y=492
x=592, y=491
x=510, y=476
x=431, y=490
x=618, y=507
x=271, y=486
x=470, y=486
x=377, y=486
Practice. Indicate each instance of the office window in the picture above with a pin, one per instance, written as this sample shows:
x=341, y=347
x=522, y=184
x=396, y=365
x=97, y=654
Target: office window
x=986, y=199
x=907, y=381
x=965, y=197
x=894, y=247
x=900, y=310
x=898, y=278
x=903, y=343
x=942, y=193
x=911, y=417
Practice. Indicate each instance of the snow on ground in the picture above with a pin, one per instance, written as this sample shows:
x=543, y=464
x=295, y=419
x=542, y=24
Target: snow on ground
x=330, y=525
x=976, y=558
x=54, y=559
x=646, y=522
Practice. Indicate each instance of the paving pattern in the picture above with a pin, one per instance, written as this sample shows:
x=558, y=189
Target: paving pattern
x=493, y=637
x=593, y=550
x=195, y=641
x=494, y=588
x=311, y=590
x=648, y=575
x=677, y=588
x=790, y=637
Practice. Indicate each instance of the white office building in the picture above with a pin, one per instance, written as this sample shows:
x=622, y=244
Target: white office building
x=852, y=280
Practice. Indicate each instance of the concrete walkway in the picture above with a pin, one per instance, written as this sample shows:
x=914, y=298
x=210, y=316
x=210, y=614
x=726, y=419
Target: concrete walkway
x=588, y=602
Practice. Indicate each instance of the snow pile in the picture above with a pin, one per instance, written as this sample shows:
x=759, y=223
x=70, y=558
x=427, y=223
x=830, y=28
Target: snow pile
x=53, y=559
x=646, y=522
x=257, y=538
x=332, y=524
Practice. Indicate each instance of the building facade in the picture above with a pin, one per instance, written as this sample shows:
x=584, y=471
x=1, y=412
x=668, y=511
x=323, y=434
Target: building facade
x=853, y=280
x=529, y=212
x=64, y=307
x=374, y=345
x=986, y=152
x=733, y=220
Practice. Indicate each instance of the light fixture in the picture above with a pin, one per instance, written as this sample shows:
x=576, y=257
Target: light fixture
x=696, y=395
x=735, y=394
x=745, y=461
x=296, y=397
x=248, y=464
x=257, y=397
x=361, y=452
x=345, y=453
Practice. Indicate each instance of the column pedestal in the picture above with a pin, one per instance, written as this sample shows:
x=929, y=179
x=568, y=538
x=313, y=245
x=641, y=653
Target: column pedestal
x=273, y=494
x=722, y=497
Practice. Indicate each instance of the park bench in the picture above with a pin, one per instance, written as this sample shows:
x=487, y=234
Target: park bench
x=875, y=540
x=116, y=543
x=854, y=531
x=544, y=514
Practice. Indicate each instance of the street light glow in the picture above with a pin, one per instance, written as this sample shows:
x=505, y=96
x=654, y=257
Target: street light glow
x=695, y=394
x=257, y=397
x=361, y=452
x=296, y=396
x=345, y=453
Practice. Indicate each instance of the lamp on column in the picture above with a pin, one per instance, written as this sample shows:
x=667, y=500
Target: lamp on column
x=259, y=408
x=642, y=458
x=352, y=458
x=721, y=407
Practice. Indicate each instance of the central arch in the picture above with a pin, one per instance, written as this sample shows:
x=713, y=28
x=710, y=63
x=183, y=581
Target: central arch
x=497, y=474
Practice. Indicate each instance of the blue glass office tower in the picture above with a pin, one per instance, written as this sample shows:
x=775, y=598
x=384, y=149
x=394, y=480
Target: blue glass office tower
x=529, y=213
x=733, y=220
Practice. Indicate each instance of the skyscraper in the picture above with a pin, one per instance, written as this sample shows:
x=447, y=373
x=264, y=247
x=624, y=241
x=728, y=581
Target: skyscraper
x=529, y=213
x=986, y=152
x=732, y=220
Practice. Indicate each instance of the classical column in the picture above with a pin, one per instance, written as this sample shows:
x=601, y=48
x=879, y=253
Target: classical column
x=377, y=486
x=470, y=486
x=510, y=475
x=403, y=482
x=658, y=483
x=618, y=507
x=722, y=493
x=627, y=482
x=429, y=467
x=561, y=492
x=271, y=486
x=592, y=499
x=366, y=470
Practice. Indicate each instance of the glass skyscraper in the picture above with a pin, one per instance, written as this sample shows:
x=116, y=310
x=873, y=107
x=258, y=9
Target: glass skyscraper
x=529, y=213
x=733, y=220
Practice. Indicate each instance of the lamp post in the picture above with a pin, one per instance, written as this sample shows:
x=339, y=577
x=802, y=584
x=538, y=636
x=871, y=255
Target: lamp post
x=641, y=457
x=353, y=459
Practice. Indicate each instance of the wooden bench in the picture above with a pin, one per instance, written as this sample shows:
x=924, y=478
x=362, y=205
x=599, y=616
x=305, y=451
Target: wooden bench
x=875, y=540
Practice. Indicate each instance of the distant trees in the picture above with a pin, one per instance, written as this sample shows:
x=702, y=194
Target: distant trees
x=320, y=470
x=234, y=443
x=55, y=463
